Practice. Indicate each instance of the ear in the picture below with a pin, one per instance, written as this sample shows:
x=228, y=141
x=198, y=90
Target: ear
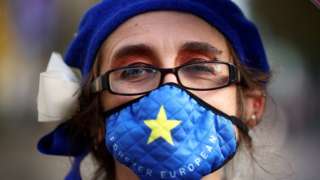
x=254, y=102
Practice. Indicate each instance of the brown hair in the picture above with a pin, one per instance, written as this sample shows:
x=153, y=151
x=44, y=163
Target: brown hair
x=89, y=121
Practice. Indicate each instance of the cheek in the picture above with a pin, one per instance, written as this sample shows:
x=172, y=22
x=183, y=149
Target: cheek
x=110, y=101
x=224, y=99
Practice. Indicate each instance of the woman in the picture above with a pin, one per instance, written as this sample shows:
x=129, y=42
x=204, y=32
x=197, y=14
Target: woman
x=170, y=89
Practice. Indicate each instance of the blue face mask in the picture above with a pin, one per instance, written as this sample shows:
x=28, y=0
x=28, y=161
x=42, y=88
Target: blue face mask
x=171, y=134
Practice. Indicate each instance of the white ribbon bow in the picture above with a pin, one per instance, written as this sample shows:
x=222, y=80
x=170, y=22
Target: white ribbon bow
x=59, y=89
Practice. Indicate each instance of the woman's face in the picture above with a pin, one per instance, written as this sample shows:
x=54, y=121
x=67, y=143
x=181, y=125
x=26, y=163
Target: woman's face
x=166, y=39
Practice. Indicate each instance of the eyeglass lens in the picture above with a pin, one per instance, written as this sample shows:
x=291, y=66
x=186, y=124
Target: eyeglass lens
x=133, y=80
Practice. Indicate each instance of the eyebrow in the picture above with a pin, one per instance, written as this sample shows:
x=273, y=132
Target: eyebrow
x=145, y=50
x=200, y=47
x=135, y=49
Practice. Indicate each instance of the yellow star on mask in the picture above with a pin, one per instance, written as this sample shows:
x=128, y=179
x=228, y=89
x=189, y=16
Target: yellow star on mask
x=161, y=127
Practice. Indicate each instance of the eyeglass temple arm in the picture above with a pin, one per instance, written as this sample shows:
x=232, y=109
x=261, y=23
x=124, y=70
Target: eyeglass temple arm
x=96, y=85
x=236, y=76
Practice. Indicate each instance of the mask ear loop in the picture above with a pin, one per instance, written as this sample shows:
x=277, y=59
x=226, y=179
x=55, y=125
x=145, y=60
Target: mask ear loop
x=236, y=121
x=242, y=126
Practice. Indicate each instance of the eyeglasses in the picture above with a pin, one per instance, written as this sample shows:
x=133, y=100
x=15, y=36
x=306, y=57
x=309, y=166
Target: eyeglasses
x=141, y=78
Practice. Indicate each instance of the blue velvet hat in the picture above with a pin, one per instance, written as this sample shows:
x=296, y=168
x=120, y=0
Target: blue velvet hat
x=103, y=18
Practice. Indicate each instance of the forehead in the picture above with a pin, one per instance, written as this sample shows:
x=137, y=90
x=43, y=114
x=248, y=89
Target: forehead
x=158, y=18
x=165, y=25
x=165, y=32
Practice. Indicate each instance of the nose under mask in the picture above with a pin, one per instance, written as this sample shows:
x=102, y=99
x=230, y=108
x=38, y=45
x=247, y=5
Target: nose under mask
x=171, y=134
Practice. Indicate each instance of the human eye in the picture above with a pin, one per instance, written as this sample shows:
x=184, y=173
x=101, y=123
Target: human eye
x=135, y=74
x=201, y=68
x=209, y=71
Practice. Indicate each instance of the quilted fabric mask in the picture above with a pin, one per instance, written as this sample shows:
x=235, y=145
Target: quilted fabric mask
x=171, y=134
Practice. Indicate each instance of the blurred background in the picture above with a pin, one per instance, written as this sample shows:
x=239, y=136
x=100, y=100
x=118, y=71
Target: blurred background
x=31, y=29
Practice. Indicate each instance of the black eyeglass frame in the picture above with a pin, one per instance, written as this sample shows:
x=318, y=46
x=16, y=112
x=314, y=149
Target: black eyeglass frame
x=103, y=82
